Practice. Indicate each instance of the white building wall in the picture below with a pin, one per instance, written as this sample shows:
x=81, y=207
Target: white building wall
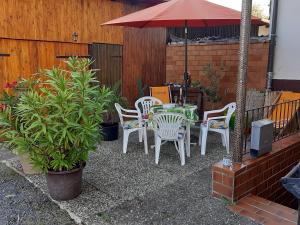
x=287, y=53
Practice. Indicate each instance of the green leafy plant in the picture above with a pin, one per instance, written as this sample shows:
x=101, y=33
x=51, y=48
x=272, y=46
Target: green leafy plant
x=57, y=118
x=196, y=84
x=214, y=81
x=110, y=96
x=9, y=98
x=141, y=88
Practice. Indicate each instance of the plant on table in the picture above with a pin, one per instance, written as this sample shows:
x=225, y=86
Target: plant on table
x=58, y=120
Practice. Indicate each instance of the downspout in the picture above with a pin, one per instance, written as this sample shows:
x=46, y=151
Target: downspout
x=272, y=45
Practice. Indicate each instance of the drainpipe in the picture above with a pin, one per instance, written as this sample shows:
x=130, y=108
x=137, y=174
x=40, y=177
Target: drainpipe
x=272, y=44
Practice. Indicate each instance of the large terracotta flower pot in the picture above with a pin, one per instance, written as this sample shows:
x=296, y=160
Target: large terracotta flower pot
x=27, y=165
x=65, y=185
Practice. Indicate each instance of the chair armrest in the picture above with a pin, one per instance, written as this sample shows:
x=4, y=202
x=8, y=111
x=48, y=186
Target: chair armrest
x=207, y=122
x=130, y=111
x=206, y=113
x=131, y=116
x=216, y=118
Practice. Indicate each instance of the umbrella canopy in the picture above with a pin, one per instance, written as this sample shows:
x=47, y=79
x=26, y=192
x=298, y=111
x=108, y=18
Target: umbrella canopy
x=182, y=13
x=178, y=13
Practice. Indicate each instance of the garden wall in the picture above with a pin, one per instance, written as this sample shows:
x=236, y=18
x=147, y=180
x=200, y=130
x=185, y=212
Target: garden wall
x=224, y=58
x=259, y=176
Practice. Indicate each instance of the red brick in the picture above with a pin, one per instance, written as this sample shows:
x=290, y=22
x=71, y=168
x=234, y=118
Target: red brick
x=227, y=180
x=262, y=187
x=222, y=190
x=217, y=177
x=242, y=178
x=276, y=168
x=268, y=173
x=244, y=188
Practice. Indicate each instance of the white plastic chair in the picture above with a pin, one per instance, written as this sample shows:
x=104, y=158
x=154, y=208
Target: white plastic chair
x=143, y=106
x=169, y=127
x=130, y=126
x=219, y=124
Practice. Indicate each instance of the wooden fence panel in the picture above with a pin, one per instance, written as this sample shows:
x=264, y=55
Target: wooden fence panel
x=27, y=57
x=56, y=20
x=144, y=58
x=108, y=60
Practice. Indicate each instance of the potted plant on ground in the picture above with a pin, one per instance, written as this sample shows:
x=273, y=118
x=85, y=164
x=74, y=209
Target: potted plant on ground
x=59, y=121
x=9, y=99
x=214, y=75
x=110, y=124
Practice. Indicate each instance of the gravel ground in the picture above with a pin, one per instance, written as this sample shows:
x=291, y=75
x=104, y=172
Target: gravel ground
x=23, y=204
x=131, y=189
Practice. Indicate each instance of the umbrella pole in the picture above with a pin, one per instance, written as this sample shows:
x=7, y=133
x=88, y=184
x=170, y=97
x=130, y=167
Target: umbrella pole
x=241, y=81
x=186, y=75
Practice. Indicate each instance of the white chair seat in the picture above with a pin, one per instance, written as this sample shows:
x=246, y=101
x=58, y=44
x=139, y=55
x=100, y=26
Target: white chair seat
x=131, y=124
x=215, y=124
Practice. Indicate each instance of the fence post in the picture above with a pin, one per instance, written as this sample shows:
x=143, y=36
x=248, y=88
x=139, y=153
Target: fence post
x=241, y=81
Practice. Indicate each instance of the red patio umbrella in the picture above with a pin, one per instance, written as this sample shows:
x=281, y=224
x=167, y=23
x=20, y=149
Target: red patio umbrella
x=182, y=13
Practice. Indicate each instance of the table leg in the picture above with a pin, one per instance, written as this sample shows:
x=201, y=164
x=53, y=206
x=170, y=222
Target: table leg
x=188, y=139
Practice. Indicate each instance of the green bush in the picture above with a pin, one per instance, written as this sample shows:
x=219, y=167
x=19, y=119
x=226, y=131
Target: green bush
x=57, y=119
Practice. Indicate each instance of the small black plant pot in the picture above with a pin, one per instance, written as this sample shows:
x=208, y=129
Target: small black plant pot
x=65, y=185
x=110, y=131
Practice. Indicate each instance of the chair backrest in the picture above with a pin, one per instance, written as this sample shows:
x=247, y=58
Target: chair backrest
x=163, y=93
x=144, y=104
x=119, y=110
x=285, y=112
x=231, y=107
x=167, y=125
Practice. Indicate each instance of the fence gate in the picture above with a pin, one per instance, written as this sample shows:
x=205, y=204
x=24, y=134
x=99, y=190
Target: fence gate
x=108, y=61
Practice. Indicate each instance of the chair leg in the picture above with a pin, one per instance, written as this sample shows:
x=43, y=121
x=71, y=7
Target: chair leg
x=157, y=148
x=227, y=140
x=223, y=139
x=200, y=136
x=188, y=139
x=140, y=135
x=203, y=141
x=125, y=140
x=145, y=140
x=182, y=152
x=188, y=151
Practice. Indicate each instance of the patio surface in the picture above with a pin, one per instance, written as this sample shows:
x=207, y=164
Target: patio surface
x=265, y=211
x=131, y=189
x=24, y=204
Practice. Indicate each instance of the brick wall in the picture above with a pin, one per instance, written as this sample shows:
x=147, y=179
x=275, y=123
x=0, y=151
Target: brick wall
x=259, y=176
x=220, y=55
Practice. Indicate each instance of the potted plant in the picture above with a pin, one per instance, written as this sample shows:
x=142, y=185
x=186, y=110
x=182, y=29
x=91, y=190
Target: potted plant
x=110, y=124
x=214, y=77
x=59, y=120
x=9, y=99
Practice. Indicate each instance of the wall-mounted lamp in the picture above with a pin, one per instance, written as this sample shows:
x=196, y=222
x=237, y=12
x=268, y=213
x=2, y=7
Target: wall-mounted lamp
x=75, y=36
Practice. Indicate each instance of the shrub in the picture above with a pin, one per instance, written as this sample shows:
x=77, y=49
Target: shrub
x=57, y=117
